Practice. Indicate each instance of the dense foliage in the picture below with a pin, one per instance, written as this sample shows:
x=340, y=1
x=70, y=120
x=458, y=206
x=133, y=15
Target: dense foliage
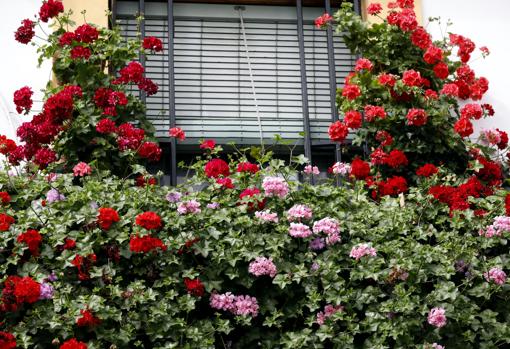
x=409, y=252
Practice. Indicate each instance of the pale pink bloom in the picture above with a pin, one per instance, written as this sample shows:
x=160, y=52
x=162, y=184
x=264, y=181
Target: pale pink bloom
x=437, y=317
x=213, y=205
x=186, y=207
x=223, y=301
x=496, y=275
x=491, y=136
x=275, y=186
x=299, y=230
x=52, y=177
x=329, y=310
x=362, y=250
x=262, y=266
x=309, y=169
x=332, y=239
x=437, y=346
x=500, y=225
x=327, y=226
x=82, y=169
x=341, y=168
x=246, y=305
x=267, y=216
x=298, y=212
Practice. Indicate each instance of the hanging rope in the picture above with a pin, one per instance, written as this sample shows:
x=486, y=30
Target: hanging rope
x=240, y=9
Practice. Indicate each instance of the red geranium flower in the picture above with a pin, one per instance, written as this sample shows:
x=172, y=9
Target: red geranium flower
x=471, y=111
x=5, y=222
x=247, y=167
x=507, y=204
x=86, y=33
x=107, y=216
x=32, y=239
x=87, y=319
x=427, y=170
x=7, y=340
x=387, y=80
x=433, y=55
x=396, y=158
x=6, y=145
x=412, y=78
x=25, y=32
x=80, y=52
x=150, y=151
x=178, y=133
x=441, y=70
x=338, y=132
x=208, y=144
x=26, y=290
x=374, y=8
x=5, y=198
x=360, y=169
x=50, y=9
x=225, y=182
x=23, y=100
x=145, y=244
x=73, y=344
x=503, y=143
x=463, y=127
x=323, y=20
x=106, y=126
x=194, y=287
x=416, y=117
x=363, y=64
x=353, y=119
x=351, y=92
x=372, y=112
x=148, y=86
x=66, y=39
x=451, y=90
x=149, y=220
x=248, y=194
x=69, y=244
x=216, y=168
x=384, y=137
x=420, y=38
x=392, y=186
x=152, y=43
x=142, y=181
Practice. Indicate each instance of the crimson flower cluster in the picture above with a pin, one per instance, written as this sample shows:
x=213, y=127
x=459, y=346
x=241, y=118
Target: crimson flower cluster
x=25, y=32
x=106, y=217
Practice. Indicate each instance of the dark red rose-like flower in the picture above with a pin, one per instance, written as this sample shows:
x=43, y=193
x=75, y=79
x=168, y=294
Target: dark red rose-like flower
x=148, y=86
x=353, y=119
x=338, y=132
x=441, y=70
x=7, y=340
x=133, y=72
x=465, y=73
x=503, y=143
x=5, y=198
x=66, y=39
x=351, y=92
x=451, y=90
x=225, y=182
x=5, y=221
x=177, y=132
x=406, y=19
x=247, y=194
x=405, y=3
x=412, y=78
x=87, y=319
x=247, y=167
x=487, y=108
x=416, y=117
x=73, y=344
x=106, y=126
x=392, y=186
x=27, y=290
x=396, y=158
x=471, y=111
x=44, y=157
x=478, y=88
x=23, y=100
x=6, y=145
x=50, y=9
x=427, y=170
x=374, y=8
x=491, y=172
x=32, y=239
x=384, y=137
x=145, y=244
x=25, y=32
x=86, y=33
x=363, y=64
x=152, y=43
x=431, y=94
x=373, y=112
x=360, y=169
x=420, y=38
x=194, y=287
x=208, y=144
x=83, y=265
x=79, y=52
x=433, y=55
x=387, y=80
x=106, y=217
x=142, y=181
x=130, y=137
x=216, y=168
x=378, y=157
x=149, y=220
x=69, y=244
x=150, y=151
x=463, y=127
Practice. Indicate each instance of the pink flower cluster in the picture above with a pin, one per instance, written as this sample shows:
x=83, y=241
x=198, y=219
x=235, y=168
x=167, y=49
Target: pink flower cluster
x=299, y=212
x=496, y=275
x=237, y=305
x=275, y=186
x=267, y=216
x=262, y=266
x=309, y=169
x=329, y=310
x=500, y=225
x=362, y=250
x=299, y=230
x=437, y=317
x=490, y=136
x=330, y=227
x=82, y=169
x=341, y=168
x=437, y=346
x=187, y=207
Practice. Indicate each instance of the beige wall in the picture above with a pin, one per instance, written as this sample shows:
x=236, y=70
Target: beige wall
x=96, y=11
x=374, y=19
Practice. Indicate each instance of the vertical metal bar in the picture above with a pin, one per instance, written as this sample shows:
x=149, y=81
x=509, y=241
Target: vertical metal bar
x=141, y=12
x=171, y=91
x=113, y=8
x=357, y=7
x=304, y=87
x=332, y=78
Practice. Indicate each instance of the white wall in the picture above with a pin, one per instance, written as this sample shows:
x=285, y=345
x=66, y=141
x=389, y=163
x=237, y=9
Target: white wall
x=487, y=23
x=18, y=65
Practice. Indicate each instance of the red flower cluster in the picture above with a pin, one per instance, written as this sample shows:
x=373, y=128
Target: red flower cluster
x=145, y=244
x=457, y=197
x=106, y=126
x=384, y=137
x=80, y=52
x=421, y=38
x=507, y=205
x=441, y=70
x=18, y=290
x=412, y=78
x=247, y=167
x=86, y=33
x=323, y=20
x=142, y=181
x=416, y=117
x=490, y=173
x=465, y=45
x=69, y=244
x=427, y=170
x=7, y=340
x=392, y=186
x=433, y=54
x=208, y=144
x=463, y=127
x=451, y=90
x=129, y=137
x=177, y=133
x=225, y=182
x=23, y=99
x=471, y=111
x=150, y=151
x=469, y=86
x=396, y=158
x=152, y=43
x=83, y=264
x=338, y=132
x=149, y=220
x=5, y=221
x=363, y=64
x=5, y=198
x=32, y=239
x=133, y=73
x=351, y=92
x=353, y=119
x=108, y=100
x=6, y=145
x=87, y=319
x=405, y=19
x=372, y=112
x=216, y=168
x=106, y=217
x=194, y=287
x=503, y=143
x=359, y=169
x=50, y=9
x=25, y=32
x=387, y=80
x=73, y=344
x=374, y=8
x=245, y=198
